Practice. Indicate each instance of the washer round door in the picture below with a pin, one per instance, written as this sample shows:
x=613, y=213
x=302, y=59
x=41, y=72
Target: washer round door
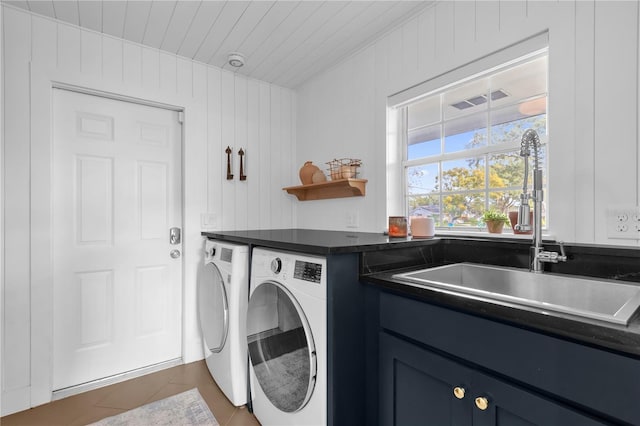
x=213, y=307
x=283, y=354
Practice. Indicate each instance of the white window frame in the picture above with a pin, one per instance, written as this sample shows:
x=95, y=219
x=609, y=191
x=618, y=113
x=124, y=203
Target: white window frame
x=397, y=162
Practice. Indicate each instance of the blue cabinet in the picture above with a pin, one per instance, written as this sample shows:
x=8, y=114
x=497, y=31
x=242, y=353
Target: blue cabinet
x=420, y=387
x=523, y=377
x=416, y=386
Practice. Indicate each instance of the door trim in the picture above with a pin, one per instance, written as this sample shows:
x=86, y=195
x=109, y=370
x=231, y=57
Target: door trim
x=42, y=82
x=114, y=96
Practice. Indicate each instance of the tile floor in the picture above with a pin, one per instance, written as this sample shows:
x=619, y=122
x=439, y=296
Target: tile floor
x=110, y=400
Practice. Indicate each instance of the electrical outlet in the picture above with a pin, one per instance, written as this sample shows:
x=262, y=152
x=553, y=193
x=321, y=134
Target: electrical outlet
x=622, y=217
x=623, y=222
x=622, y=228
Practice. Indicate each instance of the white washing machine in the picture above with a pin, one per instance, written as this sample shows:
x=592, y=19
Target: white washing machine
x=287, y=338
x=222, y=311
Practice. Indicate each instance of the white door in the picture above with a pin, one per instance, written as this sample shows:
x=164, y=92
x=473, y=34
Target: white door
x=116, y=194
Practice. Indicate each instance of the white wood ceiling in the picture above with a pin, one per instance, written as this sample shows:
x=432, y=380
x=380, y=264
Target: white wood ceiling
x=284, y=42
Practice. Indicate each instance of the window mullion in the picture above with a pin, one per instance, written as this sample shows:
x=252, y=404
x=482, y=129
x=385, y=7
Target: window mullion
x=478, y=152
x=503, y=121
x=487, y=172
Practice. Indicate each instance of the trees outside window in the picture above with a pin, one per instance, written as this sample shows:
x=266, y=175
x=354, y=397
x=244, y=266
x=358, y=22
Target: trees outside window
x=462, y=144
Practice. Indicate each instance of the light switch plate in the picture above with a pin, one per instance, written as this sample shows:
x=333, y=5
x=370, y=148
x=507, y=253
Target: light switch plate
x=208, y=220
x=623, y=222
x=353, y=219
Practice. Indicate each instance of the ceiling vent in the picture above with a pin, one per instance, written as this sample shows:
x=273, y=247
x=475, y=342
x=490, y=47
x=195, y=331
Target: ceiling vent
x=480, y=99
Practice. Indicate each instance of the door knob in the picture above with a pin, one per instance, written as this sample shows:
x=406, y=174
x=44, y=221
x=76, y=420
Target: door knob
x=174, y=254
x=482, y=403
x=458, y=392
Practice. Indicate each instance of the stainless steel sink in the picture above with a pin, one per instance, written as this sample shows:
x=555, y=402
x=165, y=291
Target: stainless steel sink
x=599, y=299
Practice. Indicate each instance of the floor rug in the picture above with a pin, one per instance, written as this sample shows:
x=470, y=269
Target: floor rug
x=285, y=379
x=186, y=408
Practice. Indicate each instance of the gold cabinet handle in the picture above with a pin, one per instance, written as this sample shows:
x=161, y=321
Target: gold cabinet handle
x=482, y=403
x=458, y=392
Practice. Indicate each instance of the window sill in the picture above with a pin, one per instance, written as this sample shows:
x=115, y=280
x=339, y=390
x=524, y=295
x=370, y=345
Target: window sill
x=465, y=233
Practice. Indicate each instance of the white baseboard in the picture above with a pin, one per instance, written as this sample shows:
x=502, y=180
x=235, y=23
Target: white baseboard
x=16, y=400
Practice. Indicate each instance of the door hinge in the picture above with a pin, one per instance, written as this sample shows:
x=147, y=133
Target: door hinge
x=181, y=117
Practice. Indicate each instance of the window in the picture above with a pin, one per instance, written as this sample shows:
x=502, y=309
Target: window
x=461, y=142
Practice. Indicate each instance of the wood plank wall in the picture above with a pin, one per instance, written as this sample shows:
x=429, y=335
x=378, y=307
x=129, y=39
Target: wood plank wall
x=221, y=109
x=593, y=105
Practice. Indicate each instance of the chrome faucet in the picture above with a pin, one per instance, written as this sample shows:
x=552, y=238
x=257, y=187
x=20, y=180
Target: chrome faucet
x=531, y=144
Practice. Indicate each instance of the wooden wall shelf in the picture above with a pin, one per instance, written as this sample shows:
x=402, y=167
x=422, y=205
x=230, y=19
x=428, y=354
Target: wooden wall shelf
x=331, y=189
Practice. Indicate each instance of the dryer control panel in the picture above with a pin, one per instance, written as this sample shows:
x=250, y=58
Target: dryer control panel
x=307, y=271
x=298, y=272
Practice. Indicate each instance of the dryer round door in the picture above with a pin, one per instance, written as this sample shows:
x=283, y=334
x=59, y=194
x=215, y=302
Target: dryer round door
x=283, y=354
x=213, y=307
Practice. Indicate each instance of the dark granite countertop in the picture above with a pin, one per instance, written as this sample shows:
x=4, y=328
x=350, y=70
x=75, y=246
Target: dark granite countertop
x=314, y=241
x=615, y=337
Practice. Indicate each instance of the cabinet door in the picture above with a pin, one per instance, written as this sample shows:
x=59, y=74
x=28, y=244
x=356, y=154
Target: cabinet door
x=513, y=406
x=417, y=386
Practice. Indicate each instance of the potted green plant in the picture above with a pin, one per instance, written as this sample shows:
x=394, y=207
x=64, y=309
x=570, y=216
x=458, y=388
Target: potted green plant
x=495, y=220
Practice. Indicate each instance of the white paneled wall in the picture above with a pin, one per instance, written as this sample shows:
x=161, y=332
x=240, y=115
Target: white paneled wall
x=593, y=104
x=2, y=345
x=221, y=109
x=615, y=114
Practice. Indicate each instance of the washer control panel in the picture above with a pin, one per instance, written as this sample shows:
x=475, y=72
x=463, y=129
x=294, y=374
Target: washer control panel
x=217, y=251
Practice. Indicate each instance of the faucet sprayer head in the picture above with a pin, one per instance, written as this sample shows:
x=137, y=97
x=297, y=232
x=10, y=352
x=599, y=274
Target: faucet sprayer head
x=523, y=223
x=530, y=138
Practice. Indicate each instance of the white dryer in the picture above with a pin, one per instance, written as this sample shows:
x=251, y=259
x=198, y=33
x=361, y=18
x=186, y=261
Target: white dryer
x=287, y=338
x=222, y=308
